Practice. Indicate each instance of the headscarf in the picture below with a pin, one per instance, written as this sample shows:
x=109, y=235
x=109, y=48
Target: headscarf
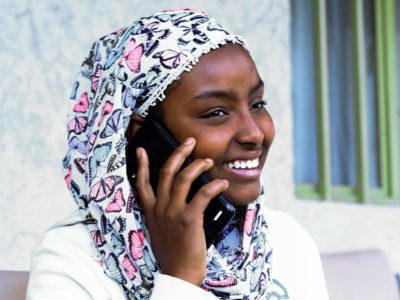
x=125, y=73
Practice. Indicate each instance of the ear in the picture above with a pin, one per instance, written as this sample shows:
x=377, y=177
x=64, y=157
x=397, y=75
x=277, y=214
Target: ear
x=135, y=123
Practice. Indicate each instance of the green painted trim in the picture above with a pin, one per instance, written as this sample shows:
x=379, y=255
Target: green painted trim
x=381, y=80
x=378, y=196
x=323, y=133
x=386, y=64
x=360, y=107
x=387, y=109
x=344, y=194
x=391, y=96
x=308, y=191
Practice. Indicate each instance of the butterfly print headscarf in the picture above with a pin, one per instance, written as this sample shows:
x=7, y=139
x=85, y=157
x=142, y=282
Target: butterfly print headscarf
x=125, y=73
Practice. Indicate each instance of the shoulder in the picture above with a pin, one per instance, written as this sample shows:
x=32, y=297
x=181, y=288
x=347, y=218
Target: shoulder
x=65, y=266
x=65, y=257
x=293, y=247
x=284, y=229
x=65, y=241
x=296, y=261
x=68, y=234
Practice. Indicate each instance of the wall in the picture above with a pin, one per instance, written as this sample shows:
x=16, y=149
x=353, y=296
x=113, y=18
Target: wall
x=41, y=47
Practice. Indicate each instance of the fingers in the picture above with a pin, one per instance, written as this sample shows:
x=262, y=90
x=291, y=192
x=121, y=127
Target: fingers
x=203, y=197
x=183, y=183
x=142, y=182
x=169, y=170
x=174, y=186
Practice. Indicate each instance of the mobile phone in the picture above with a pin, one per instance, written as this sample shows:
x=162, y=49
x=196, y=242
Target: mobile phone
x=159, y=144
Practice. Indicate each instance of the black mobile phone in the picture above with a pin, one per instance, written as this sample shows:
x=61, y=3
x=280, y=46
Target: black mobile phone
x=159, y=144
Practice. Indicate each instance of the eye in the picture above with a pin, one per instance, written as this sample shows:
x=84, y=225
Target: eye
x=214, y=114
x=259, y=104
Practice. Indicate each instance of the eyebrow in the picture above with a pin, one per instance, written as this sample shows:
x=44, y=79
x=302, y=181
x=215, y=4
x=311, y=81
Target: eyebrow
x=226, y=94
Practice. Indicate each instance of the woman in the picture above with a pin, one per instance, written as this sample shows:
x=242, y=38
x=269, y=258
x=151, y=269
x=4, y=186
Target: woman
x=186, y=70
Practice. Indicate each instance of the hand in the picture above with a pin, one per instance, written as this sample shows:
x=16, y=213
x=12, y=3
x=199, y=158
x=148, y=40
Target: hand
x=176, y=228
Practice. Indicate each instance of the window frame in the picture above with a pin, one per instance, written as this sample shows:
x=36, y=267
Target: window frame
x=385, y=33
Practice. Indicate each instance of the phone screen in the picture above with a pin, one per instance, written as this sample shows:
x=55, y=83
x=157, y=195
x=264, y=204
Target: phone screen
x=159, y=145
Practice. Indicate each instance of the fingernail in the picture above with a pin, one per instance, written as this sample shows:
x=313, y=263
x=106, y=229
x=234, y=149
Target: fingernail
x=226, y=182
x=209, y=160
x=188, y=141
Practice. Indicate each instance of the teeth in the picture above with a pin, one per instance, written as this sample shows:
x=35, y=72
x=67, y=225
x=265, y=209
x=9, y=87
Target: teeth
x=249, y=164
x=241, y=164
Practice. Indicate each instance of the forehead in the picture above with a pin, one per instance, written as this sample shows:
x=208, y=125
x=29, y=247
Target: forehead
x=223, y=62
x=226, y=68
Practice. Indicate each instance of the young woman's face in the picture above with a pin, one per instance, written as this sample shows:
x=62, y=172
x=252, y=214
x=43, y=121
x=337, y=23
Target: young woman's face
x=220, y=103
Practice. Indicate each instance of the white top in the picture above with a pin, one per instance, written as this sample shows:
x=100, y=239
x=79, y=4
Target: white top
x=65, y=266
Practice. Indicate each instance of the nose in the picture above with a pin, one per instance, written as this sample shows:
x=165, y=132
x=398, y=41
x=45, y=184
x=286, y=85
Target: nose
x=249, y=130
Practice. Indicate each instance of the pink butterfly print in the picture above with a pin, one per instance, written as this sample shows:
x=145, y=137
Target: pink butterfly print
x=129, y=268
x=117, y=203
x=68, y=177
x=95, y=78
x=77, y=125
x=230, y=281
x=83, y=104
x=91, y=141
x=132, y=56
x=136, y=243
x=104, y=188
x=170, y=59
x=97, y=238
x=249, y=220
x=107, y=108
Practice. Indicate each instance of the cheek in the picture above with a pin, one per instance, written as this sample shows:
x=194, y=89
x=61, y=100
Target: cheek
x=208, y=143
x=209, y=146
x=268, y=129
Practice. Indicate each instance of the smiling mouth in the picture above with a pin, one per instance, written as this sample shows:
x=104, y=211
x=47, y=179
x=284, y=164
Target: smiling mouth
x=243, y=164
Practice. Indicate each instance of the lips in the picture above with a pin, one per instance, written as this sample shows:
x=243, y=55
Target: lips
x=243, y=168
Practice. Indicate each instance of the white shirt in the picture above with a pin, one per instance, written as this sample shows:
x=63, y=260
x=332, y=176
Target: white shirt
x=65, y=266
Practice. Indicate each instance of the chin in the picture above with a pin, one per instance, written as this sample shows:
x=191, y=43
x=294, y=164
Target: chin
x=243, y=196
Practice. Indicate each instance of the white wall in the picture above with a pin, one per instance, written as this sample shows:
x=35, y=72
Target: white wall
x=41, y=47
